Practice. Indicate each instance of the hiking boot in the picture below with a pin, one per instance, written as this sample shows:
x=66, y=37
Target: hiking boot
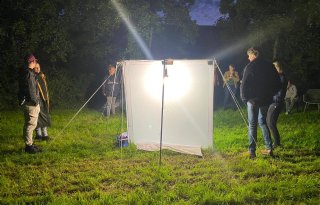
x=267, y=152
x=32, y=149
x=252, y=155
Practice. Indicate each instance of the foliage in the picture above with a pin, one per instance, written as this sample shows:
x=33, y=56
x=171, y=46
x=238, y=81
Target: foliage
x=67, y=91
x=284, y=30
x=165, y=26
x=82, y=165
x=79, y=38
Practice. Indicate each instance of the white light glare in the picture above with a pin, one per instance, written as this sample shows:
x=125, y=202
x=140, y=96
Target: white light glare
x=176, y=85
x=124, y=16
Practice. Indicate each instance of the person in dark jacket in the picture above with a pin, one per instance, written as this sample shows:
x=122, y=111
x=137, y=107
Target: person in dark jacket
x=111, y=90
x=44, y=119
x=259, y=84
x=276, y=106
x=28, y=97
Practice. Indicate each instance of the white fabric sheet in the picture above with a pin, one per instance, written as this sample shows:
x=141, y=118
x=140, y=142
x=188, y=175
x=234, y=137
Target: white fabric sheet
x=187, y=108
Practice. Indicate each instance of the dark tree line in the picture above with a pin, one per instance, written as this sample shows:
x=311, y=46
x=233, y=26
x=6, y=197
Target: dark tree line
x=286, y=30
x=74, y=40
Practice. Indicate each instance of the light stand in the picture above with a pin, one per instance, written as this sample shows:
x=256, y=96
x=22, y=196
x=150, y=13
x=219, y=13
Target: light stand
x=164, y=75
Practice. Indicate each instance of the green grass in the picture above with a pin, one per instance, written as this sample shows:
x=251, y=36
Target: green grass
x=82, y=165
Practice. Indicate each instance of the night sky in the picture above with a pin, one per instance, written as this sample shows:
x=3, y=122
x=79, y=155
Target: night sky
x=205, y=12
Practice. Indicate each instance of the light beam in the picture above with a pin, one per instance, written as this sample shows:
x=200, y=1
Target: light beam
x=124, y=16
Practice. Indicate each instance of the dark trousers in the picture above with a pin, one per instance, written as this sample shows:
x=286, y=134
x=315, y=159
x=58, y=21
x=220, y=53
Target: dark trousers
x=272, y=118
x=228, y=97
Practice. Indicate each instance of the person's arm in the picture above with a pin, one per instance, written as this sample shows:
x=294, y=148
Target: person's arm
x=225, y=78
x=284, y=83
x=32, y=88
x=245, y=85
x=104, y=87
x=236, y=77
x=294, y=91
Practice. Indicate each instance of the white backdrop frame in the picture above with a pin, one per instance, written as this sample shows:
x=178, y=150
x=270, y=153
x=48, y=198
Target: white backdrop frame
x=188, y=112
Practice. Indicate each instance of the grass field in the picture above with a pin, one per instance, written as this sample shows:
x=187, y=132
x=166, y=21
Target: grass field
x=83, y=165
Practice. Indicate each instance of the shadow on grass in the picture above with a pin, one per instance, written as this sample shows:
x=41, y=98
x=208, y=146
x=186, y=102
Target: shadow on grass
x=297, y=156
x=11, y=151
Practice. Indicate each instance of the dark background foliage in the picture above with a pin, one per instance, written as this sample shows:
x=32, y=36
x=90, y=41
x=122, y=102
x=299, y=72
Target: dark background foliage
x=75, y=40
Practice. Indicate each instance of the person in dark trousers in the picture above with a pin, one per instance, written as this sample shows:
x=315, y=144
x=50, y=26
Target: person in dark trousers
x=28, y=97
x=111, y=90
x=259, y=84
x=276, y=106
x=44, y=119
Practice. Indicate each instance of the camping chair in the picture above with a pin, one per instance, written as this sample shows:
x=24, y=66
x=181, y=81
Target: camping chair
x=312, y=96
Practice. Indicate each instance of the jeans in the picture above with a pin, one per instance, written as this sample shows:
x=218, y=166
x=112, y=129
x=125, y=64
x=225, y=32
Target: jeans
x=227, y=96
x=272, y=118
x=257, y=114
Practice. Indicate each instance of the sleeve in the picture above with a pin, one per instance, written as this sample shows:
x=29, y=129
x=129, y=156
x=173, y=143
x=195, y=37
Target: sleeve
x=104, y=87
x=245, y=85
x=32, y=87
x=284, y=83
x=225, y=76
x=295, y=92
x=236, y=79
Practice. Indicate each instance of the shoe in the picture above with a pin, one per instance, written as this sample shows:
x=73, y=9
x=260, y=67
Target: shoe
x=38, y=137
x=43, y=138
x=46, y=138
x=252, y=155
x=268, y=152
x=32, y=149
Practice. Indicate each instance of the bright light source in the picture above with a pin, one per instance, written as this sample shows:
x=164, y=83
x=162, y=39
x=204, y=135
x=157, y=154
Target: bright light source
x=176, y=85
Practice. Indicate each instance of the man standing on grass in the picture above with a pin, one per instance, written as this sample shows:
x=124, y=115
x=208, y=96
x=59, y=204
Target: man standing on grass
x=111, y=90
x=259, y=84
x=29, y=100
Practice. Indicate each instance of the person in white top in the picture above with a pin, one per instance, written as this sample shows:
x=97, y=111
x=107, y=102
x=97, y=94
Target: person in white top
x=291, y=97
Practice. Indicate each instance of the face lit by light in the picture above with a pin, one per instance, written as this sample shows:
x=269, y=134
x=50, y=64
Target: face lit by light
x=176, y=85
x=251, y=57
x=37, y=68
